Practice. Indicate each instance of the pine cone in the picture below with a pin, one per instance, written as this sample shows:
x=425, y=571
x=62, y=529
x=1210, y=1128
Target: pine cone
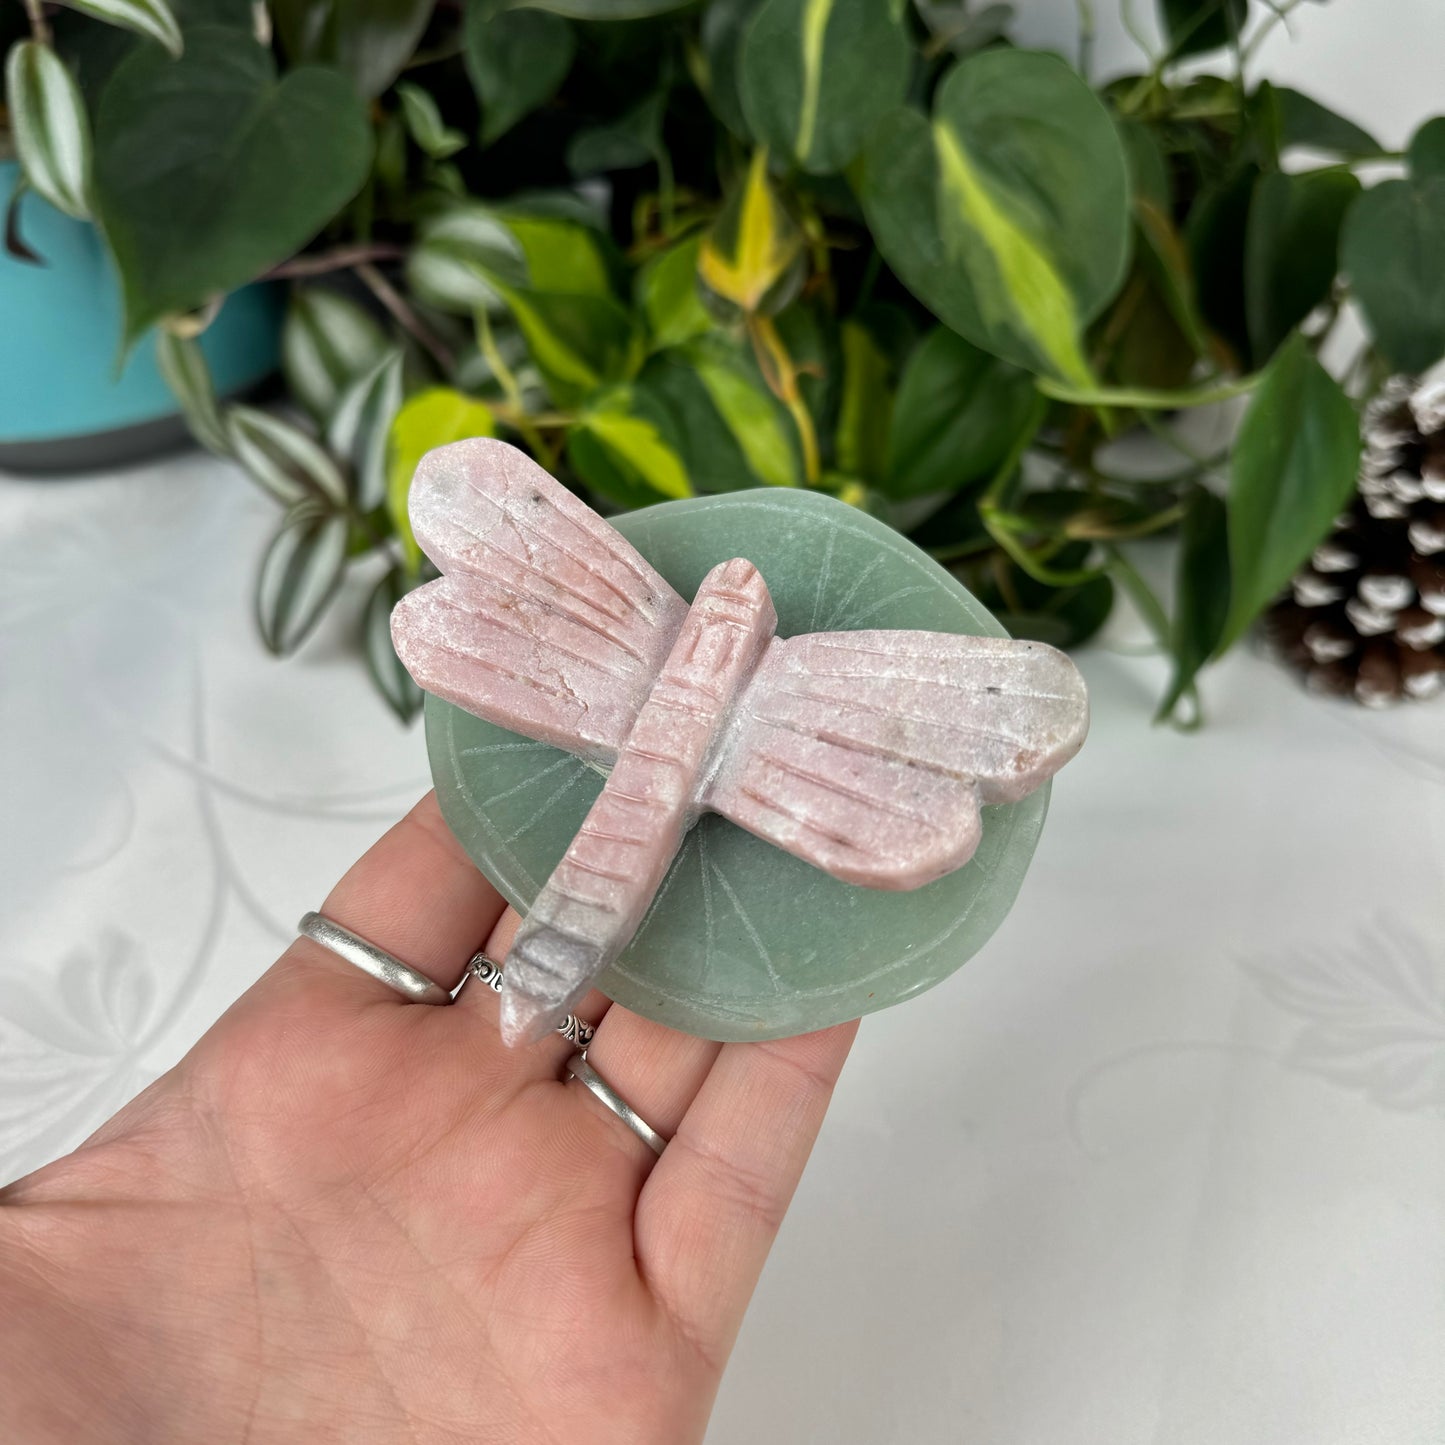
x=1366, y=617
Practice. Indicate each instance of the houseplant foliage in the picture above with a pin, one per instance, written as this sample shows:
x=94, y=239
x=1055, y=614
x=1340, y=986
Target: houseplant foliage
x=864, y=246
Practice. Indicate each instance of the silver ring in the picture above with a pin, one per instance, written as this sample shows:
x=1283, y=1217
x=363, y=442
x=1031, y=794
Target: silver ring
x=578, y=1031
x=380, y=964
x=584, y=1073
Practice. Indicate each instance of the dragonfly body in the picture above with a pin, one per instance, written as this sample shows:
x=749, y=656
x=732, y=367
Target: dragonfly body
x=868, y=754
x=596, y=897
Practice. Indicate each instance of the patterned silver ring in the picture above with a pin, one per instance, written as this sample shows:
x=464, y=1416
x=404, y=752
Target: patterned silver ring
x=586, y=1075
x=578, y=1031
x=380, y=964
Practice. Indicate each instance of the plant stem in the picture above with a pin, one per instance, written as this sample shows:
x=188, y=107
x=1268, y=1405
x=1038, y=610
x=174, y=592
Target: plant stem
x=339, y=258
x=1086, y=36
x=1143, y=398
x=39, y=25
x=782, y=379
x=406, y=317
x=518, y=419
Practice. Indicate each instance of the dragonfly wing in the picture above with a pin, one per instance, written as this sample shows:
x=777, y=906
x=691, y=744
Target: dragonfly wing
x=869, y=753
x=545, y=620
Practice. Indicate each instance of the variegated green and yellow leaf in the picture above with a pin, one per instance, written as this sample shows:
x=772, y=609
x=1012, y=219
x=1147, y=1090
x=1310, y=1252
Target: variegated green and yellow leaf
x=754, y=247
x=817, y=75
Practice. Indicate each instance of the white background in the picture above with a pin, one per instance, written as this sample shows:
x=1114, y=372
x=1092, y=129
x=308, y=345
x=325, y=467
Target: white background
x=1165, y=1163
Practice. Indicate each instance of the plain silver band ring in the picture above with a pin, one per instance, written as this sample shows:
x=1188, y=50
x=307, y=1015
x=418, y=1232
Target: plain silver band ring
x=584, y=1073
x=380, y=964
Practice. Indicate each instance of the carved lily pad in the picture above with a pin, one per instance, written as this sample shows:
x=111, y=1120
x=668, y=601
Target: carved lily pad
x=745, y=941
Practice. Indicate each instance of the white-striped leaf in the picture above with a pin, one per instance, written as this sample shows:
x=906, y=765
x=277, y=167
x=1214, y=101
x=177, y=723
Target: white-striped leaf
x=818, y=75
x=457, y=258
x=361, y=424
x=327, y=341
x=300, y=573
x=50, y=126
x=152, y=18
x=283, y=459
x=392, y=680
x=183, y=365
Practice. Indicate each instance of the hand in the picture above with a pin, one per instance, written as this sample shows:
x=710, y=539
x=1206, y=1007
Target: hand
x=344, y=1216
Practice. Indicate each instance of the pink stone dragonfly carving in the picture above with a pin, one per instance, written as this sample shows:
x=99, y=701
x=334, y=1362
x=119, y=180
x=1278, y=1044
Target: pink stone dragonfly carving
x=868, y=754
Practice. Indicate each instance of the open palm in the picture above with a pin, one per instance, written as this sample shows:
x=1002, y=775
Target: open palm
x=348, y=1217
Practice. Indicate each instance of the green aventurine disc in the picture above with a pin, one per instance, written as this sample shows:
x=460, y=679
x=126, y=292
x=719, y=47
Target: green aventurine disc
x=745, y=941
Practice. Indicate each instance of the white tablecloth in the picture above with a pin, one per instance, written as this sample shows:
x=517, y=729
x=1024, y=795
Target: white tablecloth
x=1165, y=1163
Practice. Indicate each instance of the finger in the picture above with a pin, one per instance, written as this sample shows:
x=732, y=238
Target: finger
x=656, y=1069
x=711, y=1209
x=414, y=893
x=481, y=1005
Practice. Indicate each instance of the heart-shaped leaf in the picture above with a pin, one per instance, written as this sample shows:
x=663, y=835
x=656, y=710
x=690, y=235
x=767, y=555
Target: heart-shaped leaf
x=817, y=75
x=620, y=449
x=752, y=257
x=367, y=40
x=1393, y=241
x=1294, y=468
x=516, y=60
x=667, y=293
x=1201, y=593
x=425, y=124
x=152, y=18
x=209, y=170
x=1008, y=216
x=957, y=414
x=49, y=125
x=1292, y=250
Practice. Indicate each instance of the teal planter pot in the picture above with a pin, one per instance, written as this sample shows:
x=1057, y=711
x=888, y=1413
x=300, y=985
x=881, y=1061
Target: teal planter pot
x=63, y=406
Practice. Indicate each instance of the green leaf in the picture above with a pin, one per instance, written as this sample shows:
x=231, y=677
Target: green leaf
x=1201, y=594
x=1426, y=152
x=668, y=295
x=1192, y=27
x=606, y=9
x=619, y=450
x=724, y=24
x=729, y=429
x=49, y=125
x=1391, y=248
x=151, y=18
x=366, y=40
x=866, y=405
x=327, y=341
x=1292, y=250
x=516, y=59
x=425, y=125
x=960, y=28
x=1294, y=468
x=560, y=255
x=456, y=257
x=817, y=75
x=300, y=574
x=752, y=256
x=360, y=426
x=183, y=365
x=283, y=459
x=208, y=170
x=634, y=139
x=392, y=680
x=1215, y=232
x=983, y=216
x=1303, y=121
x=957, y=415
x=577, y=342
x=430, y=419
